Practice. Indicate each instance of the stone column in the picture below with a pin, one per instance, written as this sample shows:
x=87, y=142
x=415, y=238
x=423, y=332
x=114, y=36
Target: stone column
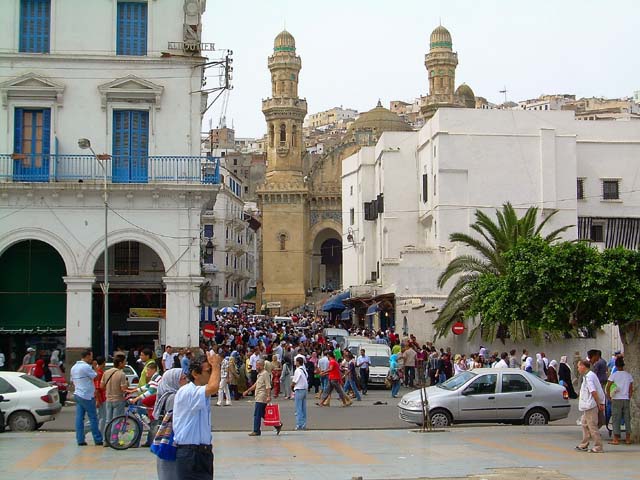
x=79, y=316
x=182, y=325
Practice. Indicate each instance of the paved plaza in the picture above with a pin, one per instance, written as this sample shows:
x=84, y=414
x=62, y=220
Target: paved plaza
x=535, y=453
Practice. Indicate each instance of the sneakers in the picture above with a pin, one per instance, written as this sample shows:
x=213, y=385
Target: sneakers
x=254, y=434
x=278, y=428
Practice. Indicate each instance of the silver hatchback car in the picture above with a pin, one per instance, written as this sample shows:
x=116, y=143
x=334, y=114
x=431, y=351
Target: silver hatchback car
x=490, y=395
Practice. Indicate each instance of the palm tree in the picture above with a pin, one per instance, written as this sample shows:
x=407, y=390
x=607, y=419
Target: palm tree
x=496, y=239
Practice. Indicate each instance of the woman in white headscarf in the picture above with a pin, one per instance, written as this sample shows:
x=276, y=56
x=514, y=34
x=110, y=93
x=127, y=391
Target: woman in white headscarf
x=540, y=367
x=528, y=364
x=171, y=381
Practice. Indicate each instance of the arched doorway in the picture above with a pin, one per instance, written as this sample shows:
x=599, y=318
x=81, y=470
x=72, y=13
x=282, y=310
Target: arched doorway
x=137, y=298
x=33, y=300
x=326, y=261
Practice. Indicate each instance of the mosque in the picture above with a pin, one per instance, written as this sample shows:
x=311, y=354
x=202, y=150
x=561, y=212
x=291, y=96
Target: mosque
x=301, y=206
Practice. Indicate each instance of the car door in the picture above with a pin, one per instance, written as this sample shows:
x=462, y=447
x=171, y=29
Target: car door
x=477, y=401
x=516, y=393
x=11, y=398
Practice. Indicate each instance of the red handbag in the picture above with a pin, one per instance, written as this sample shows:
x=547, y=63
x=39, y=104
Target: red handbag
x=272, y=415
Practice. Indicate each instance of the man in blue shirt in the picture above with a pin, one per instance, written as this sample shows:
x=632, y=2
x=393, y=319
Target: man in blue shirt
x=82, y=375
x=192, y=420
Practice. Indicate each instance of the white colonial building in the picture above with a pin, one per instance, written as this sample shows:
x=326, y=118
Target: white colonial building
x=127, y=76
x=403, y=198
x=229, y=243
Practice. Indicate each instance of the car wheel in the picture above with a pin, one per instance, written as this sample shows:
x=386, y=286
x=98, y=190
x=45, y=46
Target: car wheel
x=22, y=422
x=440, y=418
x=537, y=416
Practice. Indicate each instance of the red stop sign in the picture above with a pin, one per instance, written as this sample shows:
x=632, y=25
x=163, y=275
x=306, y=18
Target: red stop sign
x=209, y=331
x=458, y=328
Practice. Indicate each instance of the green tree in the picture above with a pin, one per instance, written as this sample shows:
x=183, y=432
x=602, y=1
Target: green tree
x=565, y=287
x=495, y=239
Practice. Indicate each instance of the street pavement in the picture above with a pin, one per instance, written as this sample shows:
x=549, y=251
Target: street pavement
x=361, y=415
x=493, y=452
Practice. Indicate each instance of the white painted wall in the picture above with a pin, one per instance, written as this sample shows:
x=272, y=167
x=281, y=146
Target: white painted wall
x=479, y=159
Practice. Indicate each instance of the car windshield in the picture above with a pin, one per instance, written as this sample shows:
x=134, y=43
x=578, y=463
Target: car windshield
x=456, y=382
x=35, y=381
x=379, y=361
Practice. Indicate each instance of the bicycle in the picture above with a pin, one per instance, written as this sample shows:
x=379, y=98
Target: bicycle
x=125, y=431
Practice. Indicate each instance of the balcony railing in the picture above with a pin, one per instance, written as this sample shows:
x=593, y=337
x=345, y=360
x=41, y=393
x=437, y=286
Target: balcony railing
x=18, y=167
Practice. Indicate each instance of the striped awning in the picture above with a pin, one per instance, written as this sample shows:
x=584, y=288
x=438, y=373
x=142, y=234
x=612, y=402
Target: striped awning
x=206, y=314
x=618, y=232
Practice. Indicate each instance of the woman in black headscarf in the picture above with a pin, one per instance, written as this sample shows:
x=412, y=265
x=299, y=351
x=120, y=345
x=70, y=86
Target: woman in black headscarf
x=564, y=375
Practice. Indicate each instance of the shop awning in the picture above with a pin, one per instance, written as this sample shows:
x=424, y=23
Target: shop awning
x=373, y=309
x=206, y=314
x=346, y=315
x=335, y=302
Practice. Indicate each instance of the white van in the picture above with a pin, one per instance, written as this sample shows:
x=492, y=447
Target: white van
x=353, y=344
x=340, y=334
x=379, y=355
x=283, y=320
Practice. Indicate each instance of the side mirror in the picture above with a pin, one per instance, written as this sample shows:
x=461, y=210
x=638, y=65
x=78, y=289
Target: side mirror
x=467, y=391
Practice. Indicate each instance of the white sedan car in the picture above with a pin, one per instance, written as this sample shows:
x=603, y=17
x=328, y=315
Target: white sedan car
x=29, y=401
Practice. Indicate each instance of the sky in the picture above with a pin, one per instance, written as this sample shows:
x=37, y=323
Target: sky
x=355, y=52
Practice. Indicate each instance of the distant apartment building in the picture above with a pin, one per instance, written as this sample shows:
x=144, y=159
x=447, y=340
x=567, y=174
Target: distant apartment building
x=330, y=117
x=621, y=109
x=547, y=102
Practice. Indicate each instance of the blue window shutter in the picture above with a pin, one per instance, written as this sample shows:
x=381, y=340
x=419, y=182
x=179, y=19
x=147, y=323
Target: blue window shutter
x=17, y=129
x=35, y=26
x=131, y=28
x=46, y=131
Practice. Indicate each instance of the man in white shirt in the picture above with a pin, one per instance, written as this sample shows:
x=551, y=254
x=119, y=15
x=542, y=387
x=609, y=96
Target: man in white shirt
x=502, y=363
x=82, y=375
x=363, y=362
x=253, y=361
x=167, y=358
x=300, y=385
x=591, y=403
x=620, y=390
x=192, y=420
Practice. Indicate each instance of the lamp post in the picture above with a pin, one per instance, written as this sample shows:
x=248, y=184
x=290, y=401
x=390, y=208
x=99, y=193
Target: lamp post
x=85, y=143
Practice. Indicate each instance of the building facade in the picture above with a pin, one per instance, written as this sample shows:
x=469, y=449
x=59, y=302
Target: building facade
x=105, y=72
x=466, y=160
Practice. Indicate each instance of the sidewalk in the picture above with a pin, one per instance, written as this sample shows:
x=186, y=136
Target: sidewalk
x=372, y=455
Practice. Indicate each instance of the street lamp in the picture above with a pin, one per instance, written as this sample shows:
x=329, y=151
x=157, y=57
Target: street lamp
x=85, y=143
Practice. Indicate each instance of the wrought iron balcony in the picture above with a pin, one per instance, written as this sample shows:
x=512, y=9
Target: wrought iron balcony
x=19, y=167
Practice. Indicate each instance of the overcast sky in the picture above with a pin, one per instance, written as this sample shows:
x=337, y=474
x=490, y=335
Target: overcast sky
x=356, y=51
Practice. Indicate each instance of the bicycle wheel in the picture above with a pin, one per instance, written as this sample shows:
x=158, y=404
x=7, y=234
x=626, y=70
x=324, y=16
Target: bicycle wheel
x=123, y=432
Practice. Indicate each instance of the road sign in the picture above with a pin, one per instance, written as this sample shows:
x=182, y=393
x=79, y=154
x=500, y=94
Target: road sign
x=458, y=328
x=209, y=331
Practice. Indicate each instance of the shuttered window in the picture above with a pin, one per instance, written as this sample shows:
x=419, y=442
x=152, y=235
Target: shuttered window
x=31, y=144
x=35, y=26
x=130, y=146
x=132, y=28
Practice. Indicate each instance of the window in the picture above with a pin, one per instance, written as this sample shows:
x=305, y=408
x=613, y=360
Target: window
x=513, y=382
x=246, y=189
x=352, y=216
x=580, y=189
x=271, y=135
x=130, y=146
x=35, y=26
x=127, y=258
x=484, y=385
x=208, y=231
x=235, y=162
x=32, y=138
x=351, y=190
x=294, y=133
x=435, y=177
x=283, y=134
x=132, y=29
x=610, y=190
x=597, y=233
x=283, y=241
x=425, y=188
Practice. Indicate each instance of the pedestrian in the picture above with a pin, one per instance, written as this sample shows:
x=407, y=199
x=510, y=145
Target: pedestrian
x=30, y=356
x=350, y=376
x=2, y=360
x=394, y=375
x=503, y=362
x=185, y=362
x=323, y=366
x=565, y=377
x=146, y=359
x=334, y=376
x=167, y=358
x=38, y=370
x=171, y=381
x=192, y=420
x=363, y=363
x=262, y=389
x=253, y=360
x=591, y=404
x=82, y=376
x=409, y=361
x=552, y=372
x=233, y=377
x=300, y=385
x=285, y=381
x=114, y=382
x=619, y=390
x=223, y=390
x=100, y=394
x=513, y=359
x=598, y=366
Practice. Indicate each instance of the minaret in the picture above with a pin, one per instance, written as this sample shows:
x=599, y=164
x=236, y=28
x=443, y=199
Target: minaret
x=441, y=63
x=284, y=112
x=283, y=199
